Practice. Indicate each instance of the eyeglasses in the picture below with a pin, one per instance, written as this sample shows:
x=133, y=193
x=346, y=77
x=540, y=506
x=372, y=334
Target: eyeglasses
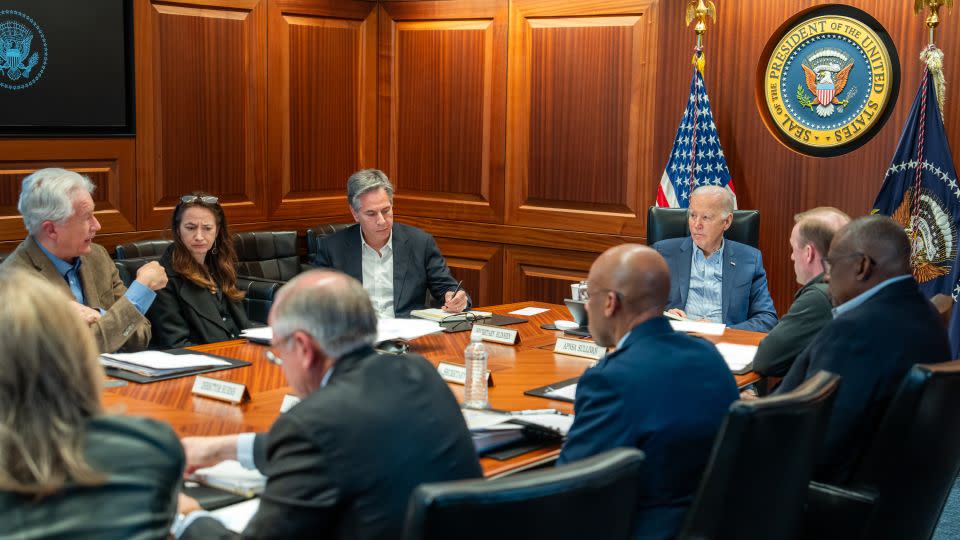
x=829, y=262
x=205, y=199
x=458, y=322
x=276, y=343
x=585, y=293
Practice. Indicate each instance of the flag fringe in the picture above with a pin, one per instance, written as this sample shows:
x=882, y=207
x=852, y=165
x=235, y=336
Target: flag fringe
x=933, y=58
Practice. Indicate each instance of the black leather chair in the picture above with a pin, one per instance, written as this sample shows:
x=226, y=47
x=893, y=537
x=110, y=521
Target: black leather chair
x=592, y=498
x=3, y=256
x=142, y=248
x=316, y=234
x=268, y=255
x=127, y=268
x=899, y=487
x=755, y=483
x=663, y=223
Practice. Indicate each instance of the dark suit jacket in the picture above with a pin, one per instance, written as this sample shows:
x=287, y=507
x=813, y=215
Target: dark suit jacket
x=143, y=463
x=122, y=326
x=810, y=311
x=344, y=461
x=746, y=302
x=665, y=393
x=417, y=264
x=871, y=347
x=186, y=314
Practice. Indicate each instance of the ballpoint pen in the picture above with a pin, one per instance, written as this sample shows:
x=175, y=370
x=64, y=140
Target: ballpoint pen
x=455, y=291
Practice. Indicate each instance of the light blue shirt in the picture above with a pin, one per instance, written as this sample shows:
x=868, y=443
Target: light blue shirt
x=137, y=293
x=858, y=300
x=706, y=286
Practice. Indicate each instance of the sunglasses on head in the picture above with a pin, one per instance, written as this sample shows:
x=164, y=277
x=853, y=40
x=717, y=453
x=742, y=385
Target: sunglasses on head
x=205, y=199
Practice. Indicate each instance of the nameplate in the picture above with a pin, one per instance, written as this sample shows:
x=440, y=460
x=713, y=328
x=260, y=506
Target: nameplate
x=288, y=402
x=579, y=347
x=217, y=389
x=496, y=334
x=457, y=374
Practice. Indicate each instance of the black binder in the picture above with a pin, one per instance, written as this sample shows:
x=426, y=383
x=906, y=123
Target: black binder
x=542, y=390
x=137, y=378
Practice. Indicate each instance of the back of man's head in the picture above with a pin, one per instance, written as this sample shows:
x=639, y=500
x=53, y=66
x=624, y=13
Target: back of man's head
x=331, y=307
x=817, y=227
x=640, y=279
x=47, y=195
x=881, y=239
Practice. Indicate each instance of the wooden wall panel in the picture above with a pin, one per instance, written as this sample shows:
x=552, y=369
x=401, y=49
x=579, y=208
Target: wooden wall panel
x=542, y=274
x=443, y=80
x=479, y=265
x=109, y=163
x=578, y=115
x=322, y=102
x=201, y=107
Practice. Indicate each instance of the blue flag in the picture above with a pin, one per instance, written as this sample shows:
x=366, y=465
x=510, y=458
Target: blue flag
x=921, y=192
x=696, y=158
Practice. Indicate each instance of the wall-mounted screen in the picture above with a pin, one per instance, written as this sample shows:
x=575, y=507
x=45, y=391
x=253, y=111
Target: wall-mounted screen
x=66, y=68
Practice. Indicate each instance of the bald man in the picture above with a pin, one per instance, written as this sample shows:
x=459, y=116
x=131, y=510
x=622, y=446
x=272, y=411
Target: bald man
x=661, y=391
x=342, y=463
x=810, y=240
x=882, y=326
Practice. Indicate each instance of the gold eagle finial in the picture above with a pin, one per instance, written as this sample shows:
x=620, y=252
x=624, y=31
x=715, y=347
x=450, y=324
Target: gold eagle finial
x=700, y=9
x=934, y=19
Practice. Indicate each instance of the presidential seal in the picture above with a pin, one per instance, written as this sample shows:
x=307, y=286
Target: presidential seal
x=829, y=80
x=23, y=50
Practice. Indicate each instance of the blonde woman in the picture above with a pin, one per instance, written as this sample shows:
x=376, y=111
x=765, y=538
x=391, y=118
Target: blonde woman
x=67, y=469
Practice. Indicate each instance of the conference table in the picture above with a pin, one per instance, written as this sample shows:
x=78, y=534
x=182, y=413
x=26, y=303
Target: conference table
x=528, y=364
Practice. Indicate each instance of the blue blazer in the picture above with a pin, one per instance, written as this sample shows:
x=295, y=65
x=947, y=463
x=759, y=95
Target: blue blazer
x=417, y=264
x=665, y=393
x=746, y=301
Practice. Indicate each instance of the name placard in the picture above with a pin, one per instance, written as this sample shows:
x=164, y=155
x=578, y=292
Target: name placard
x=496, y=334
x=457, y=374
x=579, y=347
x=222, y=390
x=288, y=402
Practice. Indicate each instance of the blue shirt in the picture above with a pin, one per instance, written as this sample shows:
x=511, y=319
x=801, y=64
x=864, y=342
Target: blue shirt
x=138, y=294
x=858, y=300
x=706, y=286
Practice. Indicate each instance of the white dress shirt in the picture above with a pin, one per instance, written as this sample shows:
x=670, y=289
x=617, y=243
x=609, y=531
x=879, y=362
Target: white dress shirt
x=377, y=271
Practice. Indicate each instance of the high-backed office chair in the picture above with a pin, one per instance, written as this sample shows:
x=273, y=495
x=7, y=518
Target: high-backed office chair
x=755, y=484
x=267, y=254
x=592, y=498
x=904, y=477
x=142, y=248
x=316, y=234
x=127, y=268
x=663, y=223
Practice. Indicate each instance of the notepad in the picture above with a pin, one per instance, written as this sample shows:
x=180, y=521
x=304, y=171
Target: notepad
x=436, y=314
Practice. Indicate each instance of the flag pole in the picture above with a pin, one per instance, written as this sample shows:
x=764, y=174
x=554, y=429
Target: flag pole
x=934, y=19
x=699, y=10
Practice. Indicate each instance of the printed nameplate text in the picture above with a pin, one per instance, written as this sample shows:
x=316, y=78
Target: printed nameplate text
x=496, y=334
x=579, y=347
x=217, y=389
x=457, y=374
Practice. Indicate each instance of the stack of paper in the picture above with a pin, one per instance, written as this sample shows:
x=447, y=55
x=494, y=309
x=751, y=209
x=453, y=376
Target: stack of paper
x=738, y=357
x=435, y=314
x=157, y=363
x=386, y=329
x=555, y=422
x=699, y=327
x=230, y=476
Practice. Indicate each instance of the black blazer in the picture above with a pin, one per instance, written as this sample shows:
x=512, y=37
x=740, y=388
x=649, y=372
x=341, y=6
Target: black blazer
x=871, y=347
x=417, y=264
x=143, y=463
x=343, y=462
x=186, y=314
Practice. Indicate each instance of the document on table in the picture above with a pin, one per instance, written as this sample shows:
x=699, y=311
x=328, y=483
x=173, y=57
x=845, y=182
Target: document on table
x=158, y=363
x=386, y=329
x=699, y=327
x=261, y=334
x=529, y=311
x=556, y=422
x=436, y=314
x=738, y=357
x=478, y=419
x=236, y=516
x=230, y=476
x=567, y=392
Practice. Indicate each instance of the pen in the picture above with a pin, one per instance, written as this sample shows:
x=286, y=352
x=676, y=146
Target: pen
x=530, y=412
x=455, y=291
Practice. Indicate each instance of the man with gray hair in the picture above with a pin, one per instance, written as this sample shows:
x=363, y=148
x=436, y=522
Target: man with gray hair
x=370, y=427
x=714, y=279
x=58, y=213
x=396, y=263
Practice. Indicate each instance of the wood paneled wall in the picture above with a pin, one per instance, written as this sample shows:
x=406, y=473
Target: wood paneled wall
x=526, y=135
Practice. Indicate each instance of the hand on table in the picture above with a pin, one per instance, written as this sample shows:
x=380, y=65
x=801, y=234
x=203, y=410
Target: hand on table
x=206, y=451
x=187, y=504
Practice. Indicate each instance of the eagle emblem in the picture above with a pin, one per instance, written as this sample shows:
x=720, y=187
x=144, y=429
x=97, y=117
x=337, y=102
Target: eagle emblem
x=935, y=247
x=826, y=72
x=16, y=62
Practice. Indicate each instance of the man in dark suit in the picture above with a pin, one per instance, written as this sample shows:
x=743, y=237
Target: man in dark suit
x=810, y=240
x=661, y=391
x=343, y=462
x=396, y=263
x=882, y=326
x=714, y=279
x=58, y=213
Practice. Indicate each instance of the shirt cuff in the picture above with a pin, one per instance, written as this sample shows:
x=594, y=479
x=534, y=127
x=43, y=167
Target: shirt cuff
x=245, y=450
x=140, y=296
x=182, y=522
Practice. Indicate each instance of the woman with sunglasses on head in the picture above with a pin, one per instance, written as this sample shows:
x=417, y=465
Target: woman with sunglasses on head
x=201, y=302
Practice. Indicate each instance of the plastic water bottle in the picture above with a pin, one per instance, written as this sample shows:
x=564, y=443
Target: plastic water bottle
x=475, y=360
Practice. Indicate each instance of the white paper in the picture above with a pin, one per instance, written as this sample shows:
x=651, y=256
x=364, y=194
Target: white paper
x=236, y=516
x=528, y=311
x=479, y=419
x=230, y=475
x=162, y=360
x=559, y=422
x=405, y=328
x=737, y=356
x=568, y=392
x=262, y=334
x=705, y=328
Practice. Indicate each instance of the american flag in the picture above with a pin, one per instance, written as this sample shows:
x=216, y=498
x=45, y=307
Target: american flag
x=696, y=158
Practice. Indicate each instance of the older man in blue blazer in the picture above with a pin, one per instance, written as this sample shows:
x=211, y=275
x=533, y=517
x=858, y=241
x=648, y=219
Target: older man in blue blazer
x=715, y=279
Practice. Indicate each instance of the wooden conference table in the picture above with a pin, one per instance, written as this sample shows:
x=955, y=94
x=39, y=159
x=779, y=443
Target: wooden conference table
x=514, y=368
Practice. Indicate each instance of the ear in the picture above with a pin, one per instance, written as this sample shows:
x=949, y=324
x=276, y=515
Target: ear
x=728, y=221
x=49, y=229
x=809, y=254
x=610, y=304
x=865, y=268
x=356, y=216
